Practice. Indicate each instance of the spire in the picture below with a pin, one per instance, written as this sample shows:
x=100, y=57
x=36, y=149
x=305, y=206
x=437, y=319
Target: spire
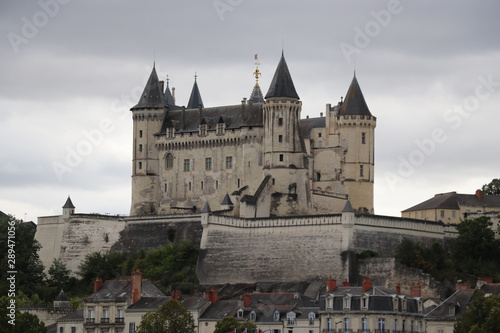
x=256, y=95
x=68, y=203
x=348, y=207
x=282, y=84
x=169, y=99
x=354, y=103
x=195, y=99
x=206, y=208
x=152, y=96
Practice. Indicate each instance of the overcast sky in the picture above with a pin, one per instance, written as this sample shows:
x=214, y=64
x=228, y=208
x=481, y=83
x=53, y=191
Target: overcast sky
x=71, y=70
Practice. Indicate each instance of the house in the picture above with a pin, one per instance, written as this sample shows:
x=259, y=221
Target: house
x=451, y=207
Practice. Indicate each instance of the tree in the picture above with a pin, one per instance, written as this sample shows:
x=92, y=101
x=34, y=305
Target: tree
x=19, y=252
x=171, y=317
x=59, y=274
x=24, y=322
x=493, y=188
x=476, y=250
x=482, y=316
x=229, y=324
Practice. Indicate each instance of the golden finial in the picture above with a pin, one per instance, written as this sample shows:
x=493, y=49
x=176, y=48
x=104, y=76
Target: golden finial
x=257, y=73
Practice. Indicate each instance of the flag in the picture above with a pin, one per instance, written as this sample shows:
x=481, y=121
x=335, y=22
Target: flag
x=245, y=331
x=257, y=330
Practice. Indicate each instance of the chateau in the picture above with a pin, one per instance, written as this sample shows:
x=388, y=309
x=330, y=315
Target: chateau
x=254, y=159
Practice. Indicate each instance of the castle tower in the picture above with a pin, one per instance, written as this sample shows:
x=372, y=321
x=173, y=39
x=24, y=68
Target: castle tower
x=195, y=98
x=68, y=209
x=256, y=95
x=284, y=148
x=147, y=116
x=357, y=127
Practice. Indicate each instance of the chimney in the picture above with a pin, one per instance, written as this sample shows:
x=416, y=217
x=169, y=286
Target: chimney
x=173, y=93
x=416, y=290
x=247, y=300
x=331, y=284
x=462, y=285
x=212, y=295
x=98, y=284
x=321, y=114
x=367, y=284
x=346, y=284
x=479, y=194
x=398, y=289
x=136, y=285
x=176, y=294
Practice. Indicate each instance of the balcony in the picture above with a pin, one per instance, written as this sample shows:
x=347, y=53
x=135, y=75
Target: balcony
x=90, y=320
x=119, y=320
x=104, y=320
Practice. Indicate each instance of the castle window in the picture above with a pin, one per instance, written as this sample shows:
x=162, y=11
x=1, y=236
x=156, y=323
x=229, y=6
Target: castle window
x=381, y=324
x=361, y=171
x=395, y=325
x=280, y=138
x=403, y=327
x=280, y=121
x=238, y=183
x=281, y=157
x=140, y=147
x=187, y=165
x=165, y=187
x=411, y=326
x=169, y=161
x=344, y=144
x=105, y=315
x=170, y=132
x=253, y=316
x=442, y=214
x=90, y=318
x=189, y=186
x=363, y=138
x=140, y=165
x=319, y=135
x=208, y=163
x=216, y=184
x=346, y=324
x=364, y=325
x=290, y=318
x=220, y=128
x=203, y=130
x=454, y=214
x=131, y=327
x=140, y=133
x=202, y=185
x=229, y=162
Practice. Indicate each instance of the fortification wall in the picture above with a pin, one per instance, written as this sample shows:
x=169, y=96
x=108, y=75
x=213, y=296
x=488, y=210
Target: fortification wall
x=155, y=232
x=49, y=233
x=273, y=250
x=85, y=234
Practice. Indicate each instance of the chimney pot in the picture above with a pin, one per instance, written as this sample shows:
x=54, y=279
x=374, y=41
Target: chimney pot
x=479, y=194
x=367, y=284
x=247, y=300
x=398, y=289
x=136, y=285
x=416, y=290
x=346, y=283
x=98, y=284
x=331, y=284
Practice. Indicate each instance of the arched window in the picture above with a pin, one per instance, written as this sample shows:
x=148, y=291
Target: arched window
x=276, y=315
x=169, y=161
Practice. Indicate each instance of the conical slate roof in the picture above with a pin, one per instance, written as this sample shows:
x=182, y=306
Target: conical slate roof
x=195, y=98
x=169, y=99
x=354, y=102
x=257, y=96
x=152, y=97
x=226, y=201
x=348, y=207
x=61, y=297
x=206, y=208
x=282, y=84
x=68, y=203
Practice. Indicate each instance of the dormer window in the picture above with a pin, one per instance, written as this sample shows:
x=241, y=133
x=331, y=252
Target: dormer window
x=420, y=305
x=311, y=316
x=451, y=311
x=395, y=304
x=347, y=302
x=403, y=307
x=329, y=303
x=203, y=130
x=364, y=302
x=253, y=316
x=276, y=315
x=221, y=126
x=240, y=313
x=290, y=318
x=170, y=133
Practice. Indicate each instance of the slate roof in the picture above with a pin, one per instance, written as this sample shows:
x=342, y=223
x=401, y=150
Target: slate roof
x=226, y=200
x=348, y=207
x=256, y=95
x=460, y=300
x=61, y=297
x=195, y=98
x=453, y=200
x=354, y=102
x=152, y=97
x=193, y=302
x=77, y=315
x=169, y=99
x=68, y=203
x=119, y=290
x=491, y=288
x=307, y=125
x=221, y=309
x=234, y=116
x=148, y=303
x=282, y=84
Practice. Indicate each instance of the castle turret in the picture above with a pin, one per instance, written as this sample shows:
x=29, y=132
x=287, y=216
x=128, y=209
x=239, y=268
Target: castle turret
x=68, y=209
x=195, y=98
x=357, y=127
x=284, y=148
x=148, y=116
